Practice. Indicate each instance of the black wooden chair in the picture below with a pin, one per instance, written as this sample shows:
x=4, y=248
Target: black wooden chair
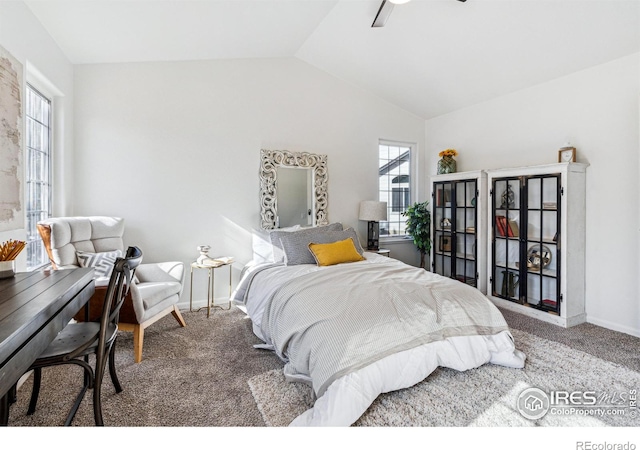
x=77, y=341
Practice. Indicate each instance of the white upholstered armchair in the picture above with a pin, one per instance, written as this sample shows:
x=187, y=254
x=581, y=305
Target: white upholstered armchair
x=93, y=241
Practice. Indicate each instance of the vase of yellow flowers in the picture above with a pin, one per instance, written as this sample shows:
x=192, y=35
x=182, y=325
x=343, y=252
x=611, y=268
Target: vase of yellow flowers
x=446, y=163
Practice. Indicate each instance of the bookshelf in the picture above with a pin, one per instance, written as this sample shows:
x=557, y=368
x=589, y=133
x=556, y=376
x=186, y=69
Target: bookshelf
x=458, y=220
x=536, y=238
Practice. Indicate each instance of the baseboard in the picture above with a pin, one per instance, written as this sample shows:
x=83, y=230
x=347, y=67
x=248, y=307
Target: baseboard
x=539, y=314
x=613, y=326
x=202, y=303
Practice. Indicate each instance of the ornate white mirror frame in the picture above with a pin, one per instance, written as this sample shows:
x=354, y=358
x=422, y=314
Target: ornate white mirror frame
x=270, y=160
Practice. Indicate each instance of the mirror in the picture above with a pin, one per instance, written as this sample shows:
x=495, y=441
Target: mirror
x=293, y=189
x=293, y=196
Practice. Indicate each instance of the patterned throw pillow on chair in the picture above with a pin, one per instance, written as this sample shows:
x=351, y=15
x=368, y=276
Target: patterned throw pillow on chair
x=101, y=262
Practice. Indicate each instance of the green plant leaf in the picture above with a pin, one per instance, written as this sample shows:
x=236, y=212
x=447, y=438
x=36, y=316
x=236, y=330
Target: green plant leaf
x=419, y=225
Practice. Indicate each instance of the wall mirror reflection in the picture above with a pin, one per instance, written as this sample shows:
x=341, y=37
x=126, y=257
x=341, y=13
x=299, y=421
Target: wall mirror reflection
x=293, y=189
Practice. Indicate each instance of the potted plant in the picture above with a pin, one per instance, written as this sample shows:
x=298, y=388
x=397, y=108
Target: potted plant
x=419, y=228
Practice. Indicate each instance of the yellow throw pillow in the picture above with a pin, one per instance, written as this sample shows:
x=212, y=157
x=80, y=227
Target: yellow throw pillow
x=335, y=252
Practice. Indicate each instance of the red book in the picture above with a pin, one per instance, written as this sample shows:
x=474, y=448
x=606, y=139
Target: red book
x=501, y=225
x=506, y=225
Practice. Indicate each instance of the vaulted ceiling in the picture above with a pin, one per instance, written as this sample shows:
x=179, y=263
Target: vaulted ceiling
x=432, y=56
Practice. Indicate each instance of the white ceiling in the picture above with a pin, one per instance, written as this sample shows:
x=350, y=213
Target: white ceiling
x=432, y=57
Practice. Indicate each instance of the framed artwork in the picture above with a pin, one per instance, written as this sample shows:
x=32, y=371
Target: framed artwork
x=11, y=120
x=567, y=154
x=444, y=243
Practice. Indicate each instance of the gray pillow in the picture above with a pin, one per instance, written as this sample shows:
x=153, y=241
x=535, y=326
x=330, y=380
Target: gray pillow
x=101, y=262
x=296, y=245
x=276, y=235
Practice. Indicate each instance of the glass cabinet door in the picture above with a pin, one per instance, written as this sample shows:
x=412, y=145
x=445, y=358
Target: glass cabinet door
x=455, y=220
x=524, y=242
x=465, y=215
x=443, y=226
x=505, y=242
x=542, y=255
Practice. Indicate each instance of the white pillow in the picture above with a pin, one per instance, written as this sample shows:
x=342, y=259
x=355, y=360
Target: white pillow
x=262, y=247
x=102, y=262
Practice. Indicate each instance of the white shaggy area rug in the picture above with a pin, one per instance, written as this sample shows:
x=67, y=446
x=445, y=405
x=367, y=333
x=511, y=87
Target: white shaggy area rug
x=484, y=397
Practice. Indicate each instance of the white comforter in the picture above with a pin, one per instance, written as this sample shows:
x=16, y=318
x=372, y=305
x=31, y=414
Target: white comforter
x=348, y=397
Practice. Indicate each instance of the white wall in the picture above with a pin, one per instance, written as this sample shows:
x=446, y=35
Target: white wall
x=597, y=110
x=174, y=148
x=46, y=67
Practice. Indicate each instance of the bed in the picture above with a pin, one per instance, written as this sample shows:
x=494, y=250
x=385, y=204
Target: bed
x=354, y=324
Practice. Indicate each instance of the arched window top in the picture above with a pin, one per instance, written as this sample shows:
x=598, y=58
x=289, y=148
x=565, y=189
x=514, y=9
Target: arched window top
x=400, y=179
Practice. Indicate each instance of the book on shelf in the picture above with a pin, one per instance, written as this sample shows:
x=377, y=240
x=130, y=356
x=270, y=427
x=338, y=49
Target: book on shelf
x=499, y=228
x=470, y=229
x=443, y=197
x=507, y=227
x=502, y=226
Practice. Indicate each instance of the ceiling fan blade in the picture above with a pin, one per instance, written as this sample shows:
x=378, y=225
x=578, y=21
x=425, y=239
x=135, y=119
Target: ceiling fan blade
x=383, y=14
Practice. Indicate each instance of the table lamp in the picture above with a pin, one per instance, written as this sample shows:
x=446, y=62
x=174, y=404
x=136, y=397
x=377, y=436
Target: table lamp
x=373, y=212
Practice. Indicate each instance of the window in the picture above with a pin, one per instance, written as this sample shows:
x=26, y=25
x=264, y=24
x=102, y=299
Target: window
x=400, y=199
x=394, y=185
x=38, y=173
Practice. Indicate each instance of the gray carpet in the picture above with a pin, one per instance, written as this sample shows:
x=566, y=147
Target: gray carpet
x=484, y=397
x=193, y=376
x=199, y=375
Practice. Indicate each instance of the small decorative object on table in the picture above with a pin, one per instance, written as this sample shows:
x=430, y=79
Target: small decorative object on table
x=446, y=163
x=205, y=260
x=9, y=251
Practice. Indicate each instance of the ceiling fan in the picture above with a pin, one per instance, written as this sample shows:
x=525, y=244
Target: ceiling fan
x=385, y=11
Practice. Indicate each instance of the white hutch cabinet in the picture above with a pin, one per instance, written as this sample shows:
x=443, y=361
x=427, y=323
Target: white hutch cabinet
x=458, y=247
x=536, y=241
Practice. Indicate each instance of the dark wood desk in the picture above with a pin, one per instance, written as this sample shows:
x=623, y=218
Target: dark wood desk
x=34, y=307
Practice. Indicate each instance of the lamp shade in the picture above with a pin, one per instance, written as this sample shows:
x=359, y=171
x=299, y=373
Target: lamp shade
x=373, y=211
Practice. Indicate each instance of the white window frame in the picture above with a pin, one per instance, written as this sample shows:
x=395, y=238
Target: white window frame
x=36, y=254
x=387, y=195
